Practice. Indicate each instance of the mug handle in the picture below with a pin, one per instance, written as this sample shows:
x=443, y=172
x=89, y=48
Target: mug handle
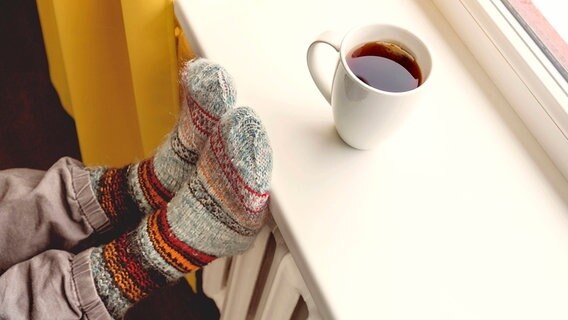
x=332, y=39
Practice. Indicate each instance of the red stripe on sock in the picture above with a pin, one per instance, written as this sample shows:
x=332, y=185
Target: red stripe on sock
x=114, y=197
x=201, y=109
x=128, y=274
x=237, y=182
x=154, y=191
x=201, y=119
x=193, y=255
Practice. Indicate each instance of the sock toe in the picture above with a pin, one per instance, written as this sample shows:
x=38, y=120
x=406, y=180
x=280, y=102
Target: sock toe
x=210, y=85
x=248, y=146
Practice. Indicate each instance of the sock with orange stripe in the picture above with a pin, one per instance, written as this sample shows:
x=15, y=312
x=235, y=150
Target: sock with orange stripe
x=126, y=194
x=217, y=212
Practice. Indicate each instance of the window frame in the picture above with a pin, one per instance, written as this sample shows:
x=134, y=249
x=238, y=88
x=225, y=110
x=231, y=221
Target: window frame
x=528, y=80
x=535, y=24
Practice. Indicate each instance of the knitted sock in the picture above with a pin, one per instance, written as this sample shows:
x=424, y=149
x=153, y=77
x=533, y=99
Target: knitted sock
x=126, y=194
x=217, y=212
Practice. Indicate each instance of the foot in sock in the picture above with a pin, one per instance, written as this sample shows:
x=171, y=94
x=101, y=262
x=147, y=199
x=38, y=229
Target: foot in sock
x=126, y=194
x=217, y=212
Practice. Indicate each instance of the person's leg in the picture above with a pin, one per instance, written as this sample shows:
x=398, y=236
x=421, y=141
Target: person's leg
x=217, y=212
x=52, y=285
x=41, y=210
x=63, y=207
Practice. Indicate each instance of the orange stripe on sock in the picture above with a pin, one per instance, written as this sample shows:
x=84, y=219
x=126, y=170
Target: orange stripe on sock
x=120, y=275
x=168, y=253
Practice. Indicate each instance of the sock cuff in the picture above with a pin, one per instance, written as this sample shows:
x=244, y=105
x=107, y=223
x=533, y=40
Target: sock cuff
x=87, y=200
x=113, y=196
x=209, y=84
x=89, y=300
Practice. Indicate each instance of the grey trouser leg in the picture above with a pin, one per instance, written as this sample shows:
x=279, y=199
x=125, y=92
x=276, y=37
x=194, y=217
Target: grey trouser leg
x=41, y=210
x=55, y=284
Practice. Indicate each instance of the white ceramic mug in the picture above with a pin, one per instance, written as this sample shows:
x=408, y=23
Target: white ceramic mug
x=364, y=115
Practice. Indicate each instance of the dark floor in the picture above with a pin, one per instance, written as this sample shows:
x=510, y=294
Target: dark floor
x=35, y=131
x=175, y=302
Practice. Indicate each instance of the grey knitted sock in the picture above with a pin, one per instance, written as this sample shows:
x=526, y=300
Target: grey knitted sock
x=216, y=213
x=127, y=193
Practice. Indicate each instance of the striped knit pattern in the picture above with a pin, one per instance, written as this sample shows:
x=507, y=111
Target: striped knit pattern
x=217, y=212
x=126, y=194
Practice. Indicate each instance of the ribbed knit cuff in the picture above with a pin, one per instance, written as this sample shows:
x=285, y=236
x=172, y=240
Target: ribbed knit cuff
x=89, y=300
x=88, y=204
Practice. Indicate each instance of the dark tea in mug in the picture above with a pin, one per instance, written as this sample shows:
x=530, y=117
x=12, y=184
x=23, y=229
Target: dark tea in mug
x=385, y=66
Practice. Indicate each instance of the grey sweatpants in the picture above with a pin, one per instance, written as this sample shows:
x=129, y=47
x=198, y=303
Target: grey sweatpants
x=46, y=217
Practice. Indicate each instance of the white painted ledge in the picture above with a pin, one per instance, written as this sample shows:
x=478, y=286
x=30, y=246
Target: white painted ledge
x=460, y=215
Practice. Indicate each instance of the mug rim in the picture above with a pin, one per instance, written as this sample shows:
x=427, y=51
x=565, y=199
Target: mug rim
x=343, y=53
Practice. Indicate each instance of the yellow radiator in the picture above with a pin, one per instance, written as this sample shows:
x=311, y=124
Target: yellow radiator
x=114, y=66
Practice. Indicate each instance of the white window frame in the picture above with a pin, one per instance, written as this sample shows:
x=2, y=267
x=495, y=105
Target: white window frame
x=527, y=79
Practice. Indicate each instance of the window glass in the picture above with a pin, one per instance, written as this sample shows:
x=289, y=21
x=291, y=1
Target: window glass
x=546, y=22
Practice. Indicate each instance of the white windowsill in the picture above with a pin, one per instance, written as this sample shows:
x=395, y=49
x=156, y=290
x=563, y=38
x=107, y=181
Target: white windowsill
x=460, y=215
x=517, y=67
